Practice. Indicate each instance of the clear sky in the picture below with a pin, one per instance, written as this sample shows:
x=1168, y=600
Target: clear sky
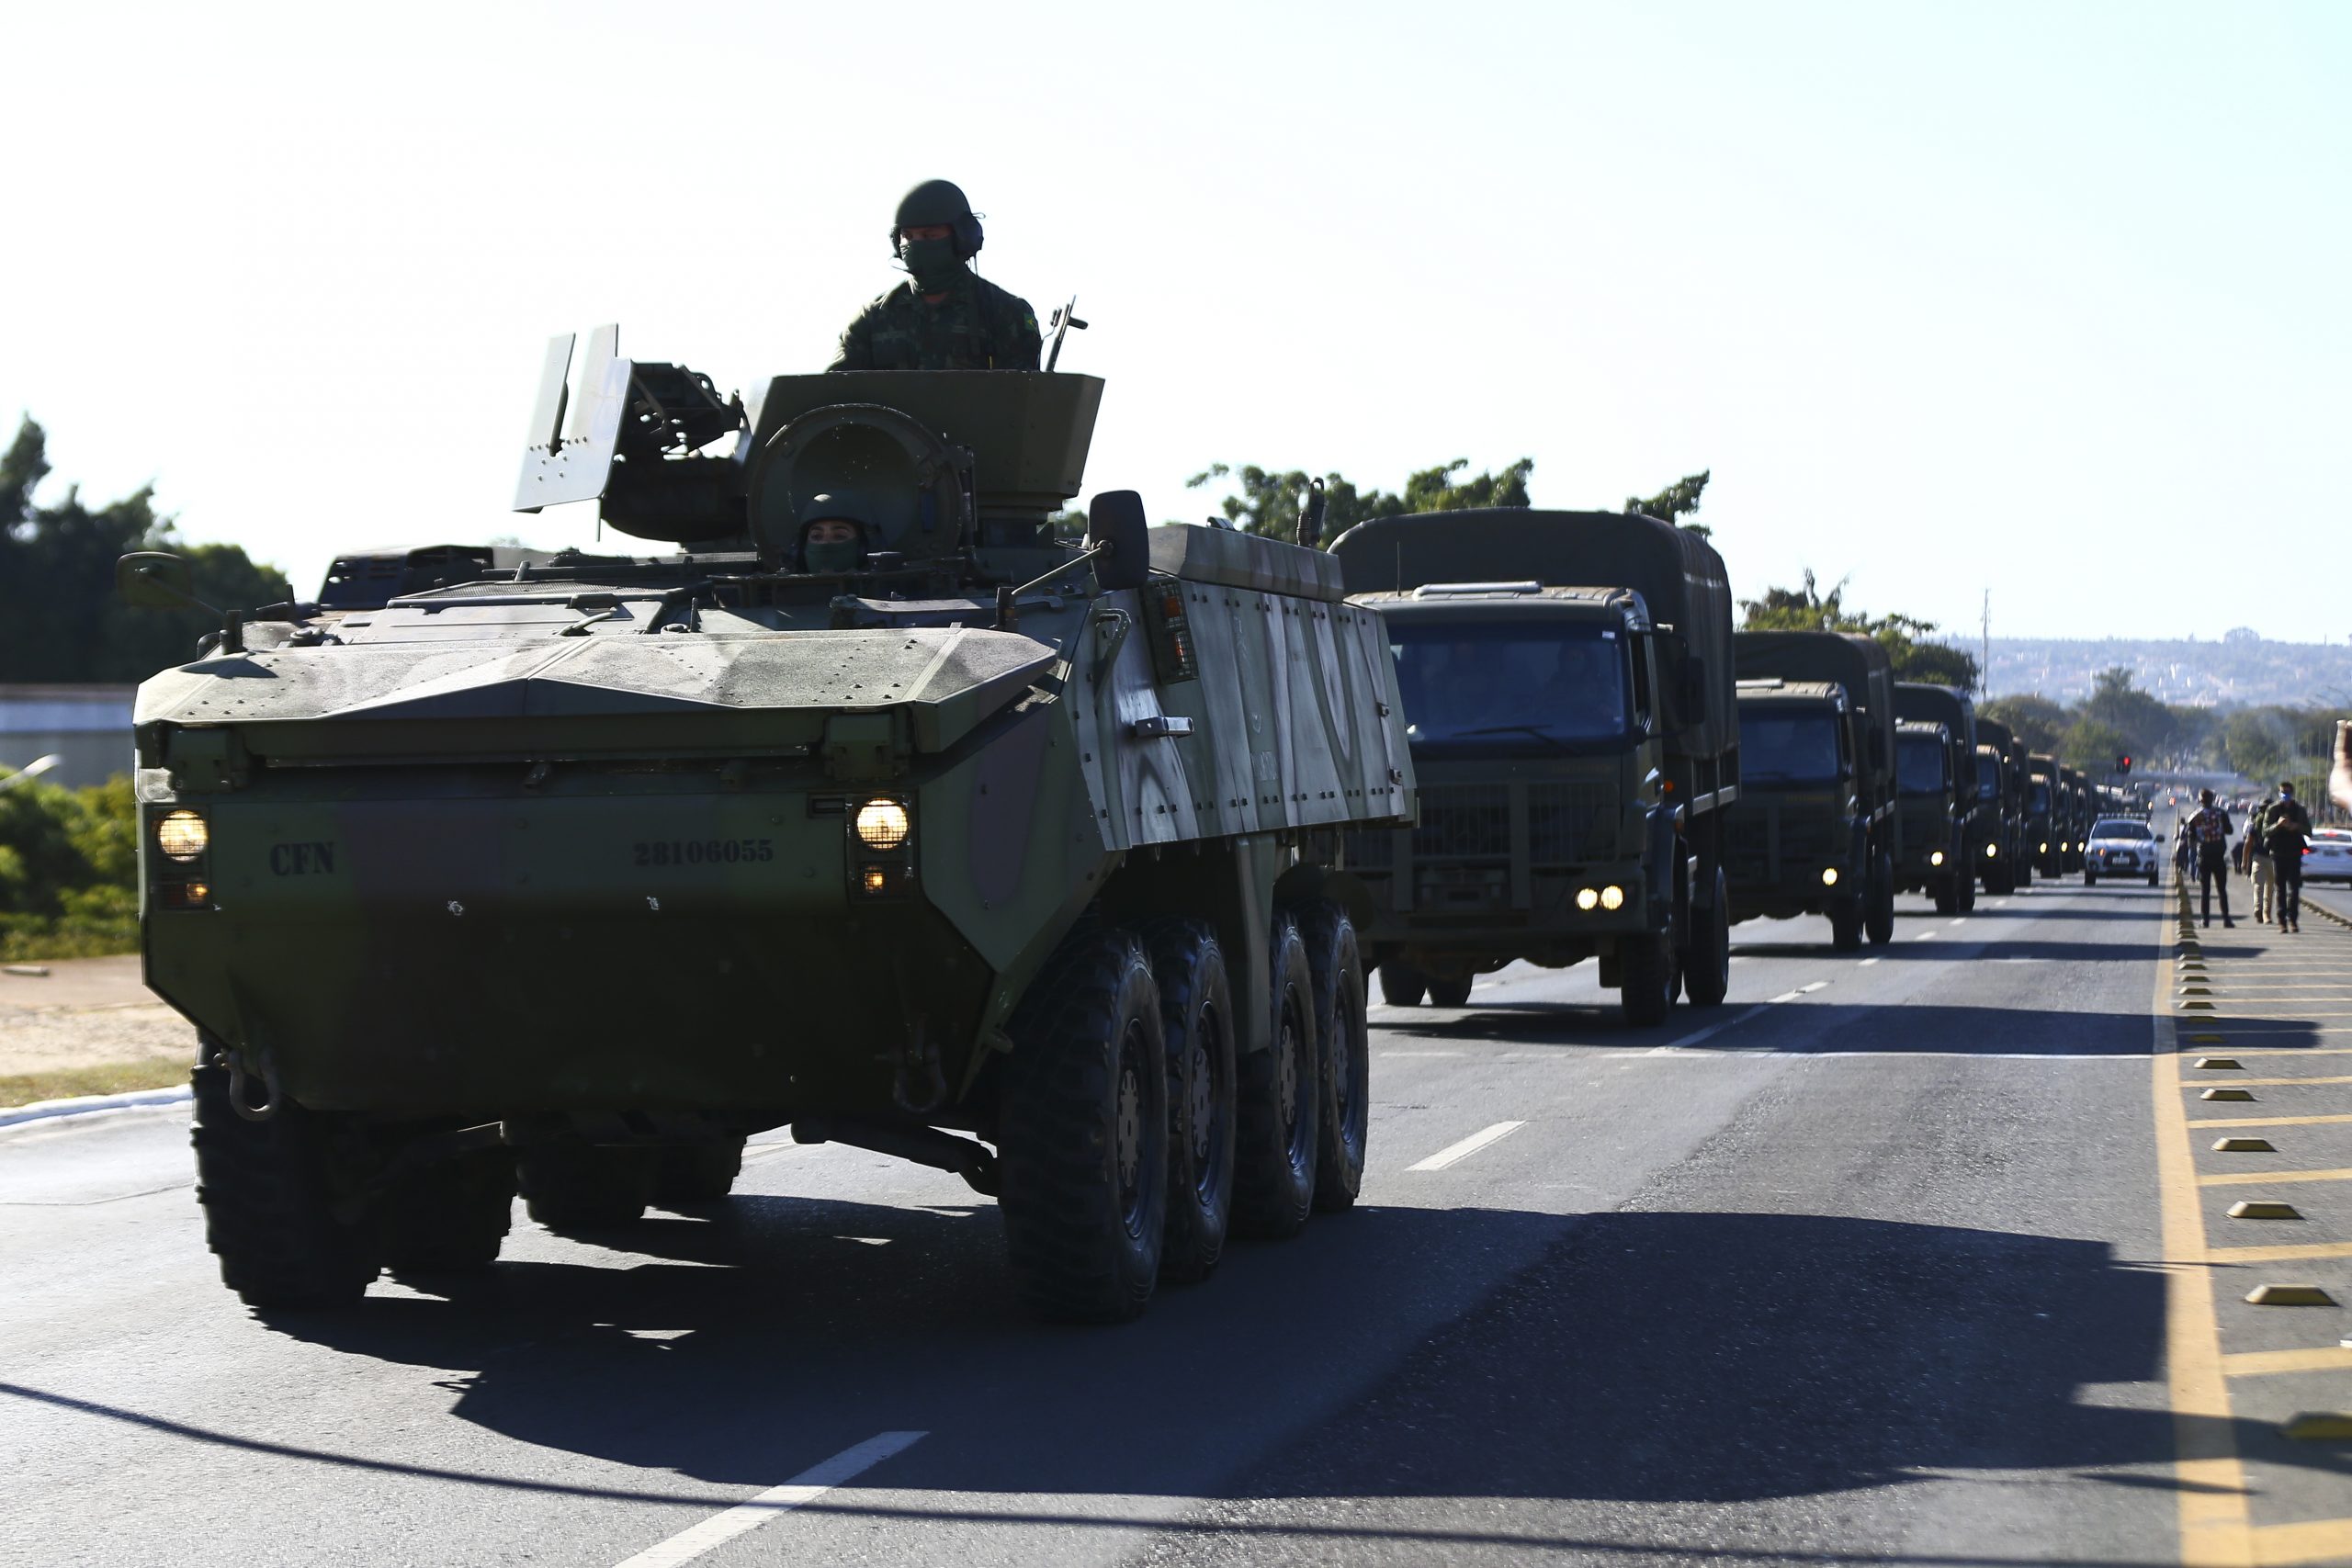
x=2054, y=299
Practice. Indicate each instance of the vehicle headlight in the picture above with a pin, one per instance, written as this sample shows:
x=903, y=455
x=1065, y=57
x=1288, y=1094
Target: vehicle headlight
x=2045, y=848
x=182, y=835
x=1588, y=900
x=1612, y=896
x=882, y=824
x=1935, y=857
x=1992, y=849
x=1829, y=876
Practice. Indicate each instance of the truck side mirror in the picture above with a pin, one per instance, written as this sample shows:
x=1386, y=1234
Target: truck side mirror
x=156, y=579
x=1115, y=518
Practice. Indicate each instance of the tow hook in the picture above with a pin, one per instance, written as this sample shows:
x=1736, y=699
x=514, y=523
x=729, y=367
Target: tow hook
x=239, y=1076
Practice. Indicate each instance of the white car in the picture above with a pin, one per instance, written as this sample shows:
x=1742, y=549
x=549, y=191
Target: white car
x=2329, y=855
x=2120, y=847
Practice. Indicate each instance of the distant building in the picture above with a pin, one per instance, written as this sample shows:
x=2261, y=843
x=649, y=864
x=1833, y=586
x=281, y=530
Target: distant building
x=87, y=727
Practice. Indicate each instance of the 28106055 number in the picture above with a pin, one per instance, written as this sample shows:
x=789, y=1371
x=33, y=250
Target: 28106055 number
x=703, y=852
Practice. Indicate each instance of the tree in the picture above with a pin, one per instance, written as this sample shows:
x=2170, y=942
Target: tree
x=1268, y=502
x=2034, y=719
x=2145, y=723
x=1675, y=502
x=58, y=617
x=1807, y=609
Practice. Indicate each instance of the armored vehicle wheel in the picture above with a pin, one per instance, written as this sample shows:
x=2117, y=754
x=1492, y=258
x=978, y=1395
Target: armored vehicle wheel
x=452, y=1216
x=1280, y=1110
x=581, y=1187
x=1645, y=970
x=1084, y=1135
x=1878, y=924
x=1402, y=986
x=1450, y=993
x=1846, y=925
x=696, y=1173
x=269, y=1190
x=1706, y=963
x=1196, y=1021
x=1335, y=965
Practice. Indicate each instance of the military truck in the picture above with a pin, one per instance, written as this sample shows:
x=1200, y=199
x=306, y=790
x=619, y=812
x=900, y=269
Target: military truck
x=1567, y=676
x=993, y=852
x=1817, y=831
x=1931, y=809
x=2045, y=815
x=1950, y=875
x=2001, y=867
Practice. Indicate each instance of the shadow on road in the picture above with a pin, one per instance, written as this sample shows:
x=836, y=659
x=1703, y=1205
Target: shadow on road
x=1811, y=1025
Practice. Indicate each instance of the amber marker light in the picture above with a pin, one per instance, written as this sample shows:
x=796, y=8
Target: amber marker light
x=182, y=835
x=882, y=824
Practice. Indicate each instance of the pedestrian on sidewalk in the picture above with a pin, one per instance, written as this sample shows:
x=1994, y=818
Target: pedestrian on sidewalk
x=2209, y=830
x=2254, y=860
x=2290, y=832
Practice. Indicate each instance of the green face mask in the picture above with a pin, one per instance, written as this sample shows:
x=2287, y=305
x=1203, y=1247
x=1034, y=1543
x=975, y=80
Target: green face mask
x=933, y=262
x=833, y=555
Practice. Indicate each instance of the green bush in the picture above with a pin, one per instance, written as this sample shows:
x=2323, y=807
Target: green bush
x=69, y=871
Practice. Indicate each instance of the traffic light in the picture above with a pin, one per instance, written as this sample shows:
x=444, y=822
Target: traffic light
x=2123, y=764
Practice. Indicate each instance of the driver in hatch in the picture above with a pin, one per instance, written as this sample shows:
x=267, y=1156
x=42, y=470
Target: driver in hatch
x=830, y=540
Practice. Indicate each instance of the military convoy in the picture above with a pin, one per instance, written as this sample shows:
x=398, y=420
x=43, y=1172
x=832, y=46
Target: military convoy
x=1945, y=867
x=1011, y=856
x=2000, y=785
x=1568, y=680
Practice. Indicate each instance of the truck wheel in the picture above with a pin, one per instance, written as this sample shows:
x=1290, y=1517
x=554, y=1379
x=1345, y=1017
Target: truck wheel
x=2151, y=879
x=451, y=1217
x=1645, y=967
x=694, y=1176
x=1967, y=894
x=1846, y=925
x=1948, y=897
x=1335, y=965
x=1401, y=986
x=1450, y=993
x=1280, y=1111
x=1878, y=924
x=1706, y=964
x=1084, y=1144
x=1196, y=1022
x=269, y=1190
x=579, y=1187
x=2090, y=877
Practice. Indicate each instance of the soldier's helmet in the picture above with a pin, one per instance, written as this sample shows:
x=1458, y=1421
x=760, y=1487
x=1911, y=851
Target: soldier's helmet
x=832, y=506
x=939, y=201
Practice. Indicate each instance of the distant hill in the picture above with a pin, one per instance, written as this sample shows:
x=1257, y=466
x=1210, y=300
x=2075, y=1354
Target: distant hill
x=2242, y=670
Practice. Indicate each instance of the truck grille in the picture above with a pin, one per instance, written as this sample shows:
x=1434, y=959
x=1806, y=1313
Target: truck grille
x=1566, y=823
x=1747, y=838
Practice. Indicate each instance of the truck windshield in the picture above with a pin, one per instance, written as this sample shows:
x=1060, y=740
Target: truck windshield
x=1988, y=775
x=1920, y=763
x=2040, y=799
x=1511, y=685
x=1787, y=747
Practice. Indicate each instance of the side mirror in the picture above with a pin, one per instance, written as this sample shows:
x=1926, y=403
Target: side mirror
x=156, y=579
x=1115, y=518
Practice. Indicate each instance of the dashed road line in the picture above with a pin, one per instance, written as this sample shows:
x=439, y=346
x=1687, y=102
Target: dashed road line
x=1466, y=1149
x=1866, y=964
x=1672, y=1046
x=799, y=1492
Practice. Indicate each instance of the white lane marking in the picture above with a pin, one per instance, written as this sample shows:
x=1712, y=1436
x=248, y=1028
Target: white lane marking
x=802, y=1489
x=1925, y=936
x=1808, y=990
x=1671, y=1047
x=1866, y=963
x=1466, y=1149
x=1783, y=997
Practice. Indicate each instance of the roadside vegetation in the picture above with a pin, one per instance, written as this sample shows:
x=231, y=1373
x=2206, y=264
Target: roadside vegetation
x=68, y=871
x=72, y=1083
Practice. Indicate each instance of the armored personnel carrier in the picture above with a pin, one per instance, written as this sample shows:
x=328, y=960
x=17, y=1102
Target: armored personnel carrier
x=877, y=810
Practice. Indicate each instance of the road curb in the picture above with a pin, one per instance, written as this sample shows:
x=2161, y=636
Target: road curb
x=93, y=1105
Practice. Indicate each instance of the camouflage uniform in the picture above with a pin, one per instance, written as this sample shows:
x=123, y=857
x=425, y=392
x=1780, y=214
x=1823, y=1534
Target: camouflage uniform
x=978, y=327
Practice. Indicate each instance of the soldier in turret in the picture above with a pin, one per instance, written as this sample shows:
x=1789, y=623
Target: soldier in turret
x=946, y=316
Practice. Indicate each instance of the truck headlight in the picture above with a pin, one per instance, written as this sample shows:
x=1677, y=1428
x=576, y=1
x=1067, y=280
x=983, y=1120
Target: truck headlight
x=1588, y=900
x=882, y=824
x=2045, y=848
x=1612, y=896
x=182, y=835
x=1935, y=857
x=1992, y=849
x=1829, y=876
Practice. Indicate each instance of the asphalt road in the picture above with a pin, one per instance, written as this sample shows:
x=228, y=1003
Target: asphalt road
x=1855, y=1268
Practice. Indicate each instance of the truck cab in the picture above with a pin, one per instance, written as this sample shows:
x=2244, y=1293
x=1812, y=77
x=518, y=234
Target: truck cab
x=1928, y=800
x=2045, y=815
x=1800, y=843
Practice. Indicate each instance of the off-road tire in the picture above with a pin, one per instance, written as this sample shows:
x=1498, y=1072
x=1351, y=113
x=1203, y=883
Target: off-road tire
x=1967, y=894
x=579, y=1187
x=1084, y=1143
x=269, y=1192
x=2090, y=878
x=1647, y=981
x=1402, y=986
x=1196, y=1021
x=1706, y=961
x=695, y=1176
x=452, y=1216
x=1450, y=993
x=1334, y=964
x=1846, y=925
x=1878, y=922
x=1946, y=896
x=1279, y=1107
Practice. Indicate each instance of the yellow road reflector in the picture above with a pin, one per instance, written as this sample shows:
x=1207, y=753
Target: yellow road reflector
x=2206, y=1039
x=2220, y=1064
x=2319, y=1427
x=2196, y=1006
x=2227, y=1094
x=2289, y=1296
x=2243, y=1146
x=2263, y=1208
